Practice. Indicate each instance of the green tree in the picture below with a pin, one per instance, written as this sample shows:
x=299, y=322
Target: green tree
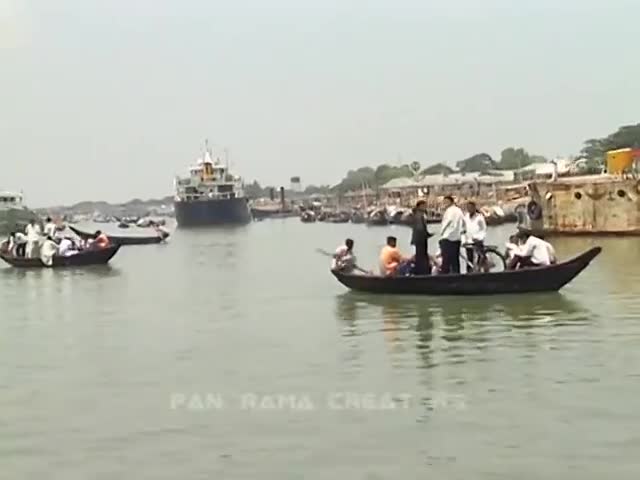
x=437, y=169
x=625, y=137
x=415, y=167
x=514, y=159
x=317, y=189
x=480, y=162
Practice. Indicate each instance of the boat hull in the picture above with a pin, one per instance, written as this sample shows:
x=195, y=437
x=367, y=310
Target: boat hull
x=232, y=211
x=542, y=279
x=122, y=240
x=82, y=259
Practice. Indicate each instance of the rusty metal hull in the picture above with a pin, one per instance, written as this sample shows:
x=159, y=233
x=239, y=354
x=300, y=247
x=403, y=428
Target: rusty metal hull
x=590, y=205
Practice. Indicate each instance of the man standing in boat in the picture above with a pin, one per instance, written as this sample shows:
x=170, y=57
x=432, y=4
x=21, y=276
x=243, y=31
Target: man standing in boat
x=419, y=239
x=33, y=239
x=475, y=231
x=451, y=236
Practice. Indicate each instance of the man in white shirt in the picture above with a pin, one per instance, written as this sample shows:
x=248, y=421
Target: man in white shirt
x=451, y=236
x=66, y=247
x=50, y=228
x=532, y=252
x=33, y=239
x=343, y=259
x=475, y=229
x=17, y=244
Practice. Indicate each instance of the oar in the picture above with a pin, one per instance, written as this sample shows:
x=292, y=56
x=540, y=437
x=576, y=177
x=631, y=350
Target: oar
x=329, y=254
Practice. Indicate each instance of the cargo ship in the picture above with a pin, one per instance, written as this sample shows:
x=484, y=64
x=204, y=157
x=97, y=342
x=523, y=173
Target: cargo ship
x=14, y=215
x=210, y=195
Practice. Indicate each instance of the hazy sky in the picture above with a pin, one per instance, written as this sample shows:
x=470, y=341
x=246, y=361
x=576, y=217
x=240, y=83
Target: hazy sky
x=110, y=99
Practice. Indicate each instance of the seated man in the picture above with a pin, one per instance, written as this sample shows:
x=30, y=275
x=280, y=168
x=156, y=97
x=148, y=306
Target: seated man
x=48, y=250
x=100, y=241
x=532, y=252
x=392, y=262
x=343, y=259
x=512, y=248
x=436, y=262
x=67, y=247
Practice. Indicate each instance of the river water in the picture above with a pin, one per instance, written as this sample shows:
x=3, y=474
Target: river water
x=233, y=354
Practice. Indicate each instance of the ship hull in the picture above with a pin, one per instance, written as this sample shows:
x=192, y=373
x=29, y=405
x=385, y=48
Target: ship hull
x=233, y=211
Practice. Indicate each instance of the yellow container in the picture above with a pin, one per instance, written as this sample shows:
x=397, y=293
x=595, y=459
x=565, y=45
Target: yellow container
x=619, y=160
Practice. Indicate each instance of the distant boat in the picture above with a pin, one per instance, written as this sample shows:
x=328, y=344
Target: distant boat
x=210, y=195
x=378, y=217
x=14, y=215
x=124, y=239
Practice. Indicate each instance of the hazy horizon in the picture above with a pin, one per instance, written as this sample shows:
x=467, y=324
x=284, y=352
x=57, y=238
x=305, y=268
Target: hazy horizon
x=110, y=100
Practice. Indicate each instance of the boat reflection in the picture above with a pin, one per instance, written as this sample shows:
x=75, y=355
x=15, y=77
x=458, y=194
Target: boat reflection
x=103, y=271
x=442, y=323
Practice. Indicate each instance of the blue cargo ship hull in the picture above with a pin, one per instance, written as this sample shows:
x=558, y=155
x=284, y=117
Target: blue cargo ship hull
x=231, y=211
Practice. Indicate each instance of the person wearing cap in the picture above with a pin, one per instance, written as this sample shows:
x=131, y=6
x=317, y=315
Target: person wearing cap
x=451, y=236
x=392, y=262
x=419, y=239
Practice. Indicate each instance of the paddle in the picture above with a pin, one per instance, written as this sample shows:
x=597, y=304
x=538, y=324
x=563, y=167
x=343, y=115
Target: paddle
x=329, y=254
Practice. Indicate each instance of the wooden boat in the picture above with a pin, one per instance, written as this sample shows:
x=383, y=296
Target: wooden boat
x=357, y=217
x=378, y=217
x=541, y=279
x=123, y=240
x=80, y=259
x=307, y=216
x=339, y=217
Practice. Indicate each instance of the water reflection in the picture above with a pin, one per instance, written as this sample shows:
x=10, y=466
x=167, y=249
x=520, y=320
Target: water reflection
x=453, y=325
x=99, y=271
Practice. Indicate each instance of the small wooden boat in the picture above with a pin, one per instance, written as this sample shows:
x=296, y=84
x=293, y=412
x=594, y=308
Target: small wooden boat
x=123, y=240
x=541, y=279
x=307, y=216
x=357, y=217
x=378, y=217
x=339, y=217
x=80, y=259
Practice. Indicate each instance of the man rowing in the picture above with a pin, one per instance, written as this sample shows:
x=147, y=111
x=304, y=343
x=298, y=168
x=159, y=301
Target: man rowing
x=344, y=260
x=532, y=252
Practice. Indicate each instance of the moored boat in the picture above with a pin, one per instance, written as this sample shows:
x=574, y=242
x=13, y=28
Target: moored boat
x=14, y=215
x=357, y=216
x=80, y=259
x=308, y=216
x=124, y=239
x=339, y=217
x=378, y=217
x=540, y=279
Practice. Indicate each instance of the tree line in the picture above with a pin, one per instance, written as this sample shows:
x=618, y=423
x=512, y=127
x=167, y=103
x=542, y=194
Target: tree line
x=511, y=158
